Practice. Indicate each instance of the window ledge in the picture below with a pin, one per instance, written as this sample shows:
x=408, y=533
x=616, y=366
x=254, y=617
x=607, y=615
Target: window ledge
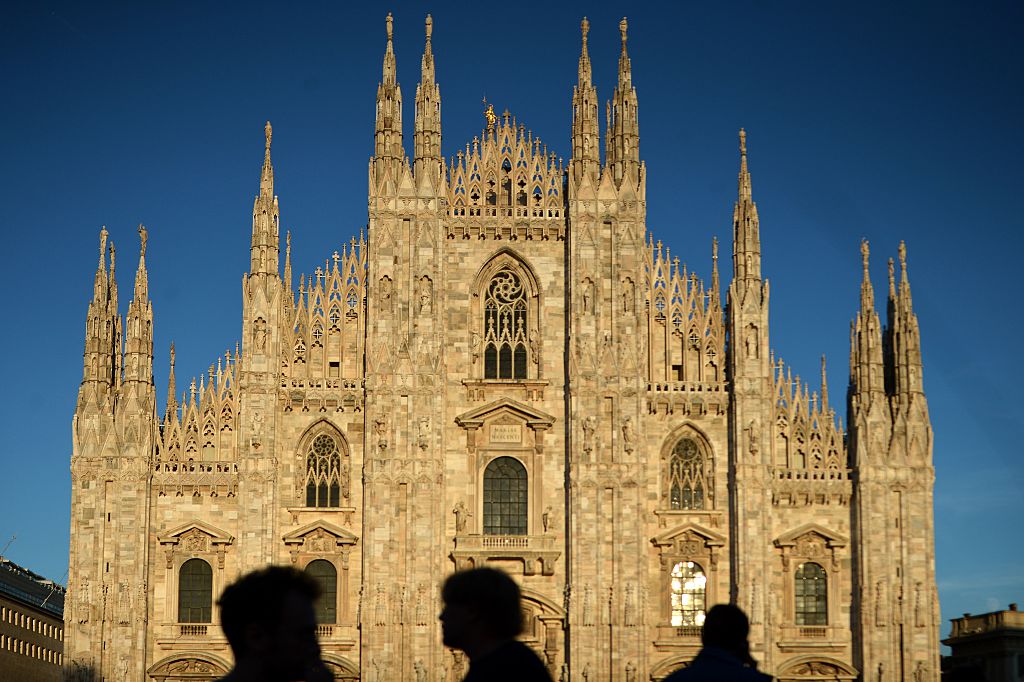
x=478, y=389
x=472, y=551
x=345, y=512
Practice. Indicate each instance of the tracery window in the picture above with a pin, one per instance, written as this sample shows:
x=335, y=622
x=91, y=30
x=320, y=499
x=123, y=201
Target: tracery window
x=506, y=338
x=323, y=472
x=689, y=588
x=687, y=478
x=811, y=591
x=195, y=592
x=505, y=488
x=326, y=576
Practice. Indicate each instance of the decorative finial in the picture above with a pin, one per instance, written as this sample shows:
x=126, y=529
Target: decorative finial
x=269, y=132
x=143, y=237
x=430, y=27
x=892, y=276
x=389, y=21
x=865, y=251
x=113, y=256
x=103, y=243
x=623, y=25
x=585, y=27
x=743, y=142
x=714, y=249
x=903, y=255
x=288, y=239
x=172, y=355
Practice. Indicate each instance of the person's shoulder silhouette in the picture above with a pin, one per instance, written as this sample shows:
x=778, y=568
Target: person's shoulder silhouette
x=725, y=656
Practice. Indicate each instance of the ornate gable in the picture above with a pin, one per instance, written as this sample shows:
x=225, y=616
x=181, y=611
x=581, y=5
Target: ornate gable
x=195, y=539
x=503, y=422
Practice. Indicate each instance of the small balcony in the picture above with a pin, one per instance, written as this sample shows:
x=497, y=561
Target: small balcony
x=192, y=630
x=534, y=550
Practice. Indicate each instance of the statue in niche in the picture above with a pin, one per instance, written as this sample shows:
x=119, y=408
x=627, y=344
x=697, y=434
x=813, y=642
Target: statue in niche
x=380, y=427
x=920, y=672
x=750, y=342
x=423, y=433
x=534, y=348
x=421, y=670
x=259, y=335
x=424, y=295
x=385, y=293
x=630, y=672
x=122, y=669
x=255, y=439
x=588, y=296
x=754, y=433
x=628, y=434
x=628, y=296
x=881, y=671
x=474, y=344
x=462, y=515
x=589, y=426
x=546, y=518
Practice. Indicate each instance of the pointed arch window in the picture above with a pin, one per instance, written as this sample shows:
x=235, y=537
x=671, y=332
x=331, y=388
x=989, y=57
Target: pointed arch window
x=811, y=591
x=687, y=476
x=195, y=592
x=689, y=591
x=326, y=576
x=505, y=495
x=323, y=472
x=505, y=327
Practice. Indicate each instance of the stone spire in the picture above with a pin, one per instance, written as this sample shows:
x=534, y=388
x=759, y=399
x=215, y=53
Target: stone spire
x=388, y=153
x=746, y=231
x=586, y=137
x=623, y=143
x=102, y=328
x=172, y=404
x=265, y=218
x=906, y=337
x=867, y=376
x=138, y=344
x=427, y=138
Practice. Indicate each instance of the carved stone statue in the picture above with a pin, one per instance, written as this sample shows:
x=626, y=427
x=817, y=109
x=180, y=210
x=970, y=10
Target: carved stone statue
x=546, y=518
x=462, y=515
x=380, y=427
x=424, y=295
x=589, y=425
x=630, y=672
x=259, y=335
x=754, y=434
x=421, y=670
x=588, y=296
x=628, y=434
x=423, y=433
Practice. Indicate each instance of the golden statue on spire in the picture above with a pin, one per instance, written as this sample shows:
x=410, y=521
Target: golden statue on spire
x=489, y=114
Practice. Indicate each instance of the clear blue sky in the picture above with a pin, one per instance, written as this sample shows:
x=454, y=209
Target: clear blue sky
x=880, y=120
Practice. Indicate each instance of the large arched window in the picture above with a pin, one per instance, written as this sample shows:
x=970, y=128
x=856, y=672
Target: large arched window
x=811, y=595
x=323, y=472
x=505, y=489
x=326, y=576
x=687, y=480
x=506, y=337
x=195, y=592
x=689, y=589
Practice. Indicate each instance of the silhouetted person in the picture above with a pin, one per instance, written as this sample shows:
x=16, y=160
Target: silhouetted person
x=482, y=616
x=268, y=618
x=725, y=656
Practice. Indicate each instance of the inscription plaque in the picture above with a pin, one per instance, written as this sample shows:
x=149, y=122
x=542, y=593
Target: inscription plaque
x=506, y=433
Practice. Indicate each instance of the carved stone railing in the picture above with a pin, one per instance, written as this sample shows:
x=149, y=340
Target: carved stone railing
x=813, y=632
x=192, y=630
x=686, y=386
x=688, y=631
x=324, y=631
x=474, y=550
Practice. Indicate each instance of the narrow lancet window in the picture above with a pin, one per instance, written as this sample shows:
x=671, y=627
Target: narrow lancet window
x=323, y=473
x=686, y=476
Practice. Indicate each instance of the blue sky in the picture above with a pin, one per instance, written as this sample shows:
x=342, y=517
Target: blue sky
x=886, y=121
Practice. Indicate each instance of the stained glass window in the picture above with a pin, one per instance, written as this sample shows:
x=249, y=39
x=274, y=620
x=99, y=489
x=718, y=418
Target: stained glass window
x=505, y=328
x=323, y=473
x=687, y=481
x=689, y=587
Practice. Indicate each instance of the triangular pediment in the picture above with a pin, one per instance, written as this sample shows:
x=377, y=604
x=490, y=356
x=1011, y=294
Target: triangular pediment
x=831, y=538
x=216, y=535
x=320, y=529
x=475, y=418
x=683, y=531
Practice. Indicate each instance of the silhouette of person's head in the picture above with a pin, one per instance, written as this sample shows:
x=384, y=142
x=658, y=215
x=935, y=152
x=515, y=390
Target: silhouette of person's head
x=726, y=627
x=481, y=609
x=270, y=624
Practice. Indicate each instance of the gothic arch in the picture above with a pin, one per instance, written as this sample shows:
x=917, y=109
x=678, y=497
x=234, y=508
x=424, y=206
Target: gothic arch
x=323, y=426
x=500, y=351
x=810, y=668
x=690, y=431
x=506, y=257
x=194, y=666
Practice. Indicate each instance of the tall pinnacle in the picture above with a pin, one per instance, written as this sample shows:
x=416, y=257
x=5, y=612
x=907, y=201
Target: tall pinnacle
x=623, y=144
x=866, y=367
x=267, y=176
x=141, y=277
x=387, y=138
x=586, y=136
x=265, y=217
x=427, y=134
x=746, y=248
x=172, y=406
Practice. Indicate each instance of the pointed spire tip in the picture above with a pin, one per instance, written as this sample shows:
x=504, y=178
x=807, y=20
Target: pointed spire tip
x=623, y=26
x=268, y=131
x=430, y=27
x=389, y=21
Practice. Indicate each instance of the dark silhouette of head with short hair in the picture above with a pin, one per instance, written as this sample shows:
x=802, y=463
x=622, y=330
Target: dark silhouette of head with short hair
x=726, y=627
x=492, y=595
x=259, y=598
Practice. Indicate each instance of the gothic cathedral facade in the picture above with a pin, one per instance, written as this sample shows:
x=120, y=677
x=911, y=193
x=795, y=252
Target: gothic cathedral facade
x=506, y=370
